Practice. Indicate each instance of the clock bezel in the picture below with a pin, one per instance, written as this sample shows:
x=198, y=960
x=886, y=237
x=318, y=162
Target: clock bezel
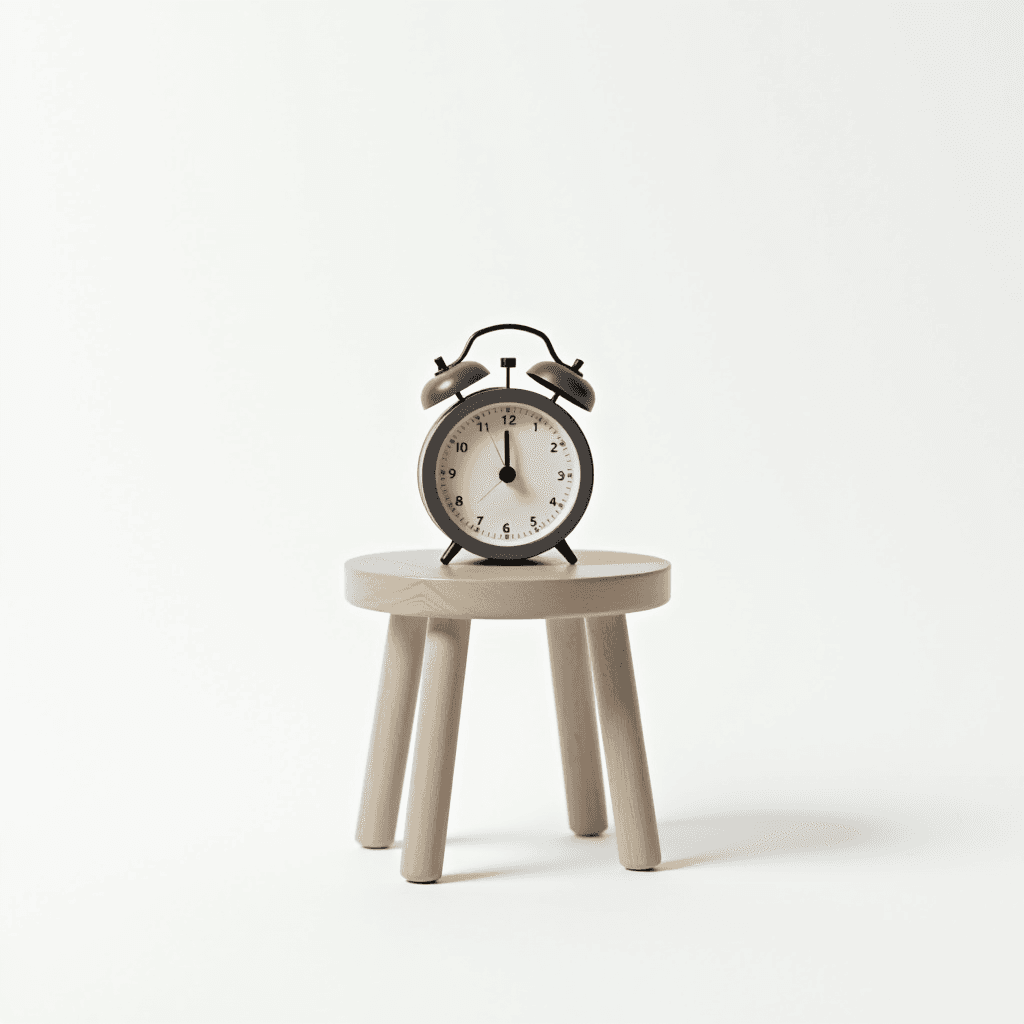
x=432, y=449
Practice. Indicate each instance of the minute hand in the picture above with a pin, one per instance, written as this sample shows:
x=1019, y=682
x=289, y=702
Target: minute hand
x=506, y=448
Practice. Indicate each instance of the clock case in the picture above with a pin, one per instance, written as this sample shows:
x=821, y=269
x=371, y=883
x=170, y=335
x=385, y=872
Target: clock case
x=432, y=449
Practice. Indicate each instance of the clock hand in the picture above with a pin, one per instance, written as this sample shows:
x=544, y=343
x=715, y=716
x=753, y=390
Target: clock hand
x=495, y=443
x=506, y=474
x=481, y=499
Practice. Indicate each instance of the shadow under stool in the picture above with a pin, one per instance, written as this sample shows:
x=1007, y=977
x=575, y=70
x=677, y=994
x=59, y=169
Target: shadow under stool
x=431, y=607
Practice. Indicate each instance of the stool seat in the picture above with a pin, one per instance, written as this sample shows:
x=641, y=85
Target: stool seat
x=431, y=607
x=416, y=583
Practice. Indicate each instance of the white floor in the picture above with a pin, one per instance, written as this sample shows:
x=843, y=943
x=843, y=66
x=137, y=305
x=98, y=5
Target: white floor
x=778, y=900
x=181, y=846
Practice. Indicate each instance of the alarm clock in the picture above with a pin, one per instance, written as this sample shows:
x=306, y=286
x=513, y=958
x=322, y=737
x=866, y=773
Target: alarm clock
x=505, y=472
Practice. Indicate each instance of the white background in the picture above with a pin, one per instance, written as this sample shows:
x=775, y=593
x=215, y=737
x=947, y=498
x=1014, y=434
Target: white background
x=786, y=240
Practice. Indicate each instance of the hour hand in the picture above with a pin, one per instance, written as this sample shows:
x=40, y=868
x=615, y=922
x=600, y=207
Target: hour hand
x=506, y=474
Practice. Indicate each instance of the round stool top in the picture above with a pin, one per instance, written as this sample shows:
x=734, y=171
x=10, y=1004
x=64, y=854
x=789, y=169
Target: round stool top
x=416, y=583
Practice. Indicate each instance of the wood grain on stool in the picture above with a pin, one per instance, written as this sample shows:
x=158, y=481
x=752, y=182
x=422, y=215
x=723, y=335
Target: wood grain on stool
x=433, y=766
x=577, y=726
x=415, y=583
x=636, y=828
x=392, y=729
x=602, y=587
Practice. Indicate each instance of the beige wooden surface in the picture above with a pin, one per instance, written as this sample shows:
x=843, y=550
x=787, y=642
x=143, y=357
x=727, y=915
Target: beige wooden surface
x=636, y=829
x=585, y=606
x=415, y=583
x=577, y=726
x=392, y=729
x=433, y=765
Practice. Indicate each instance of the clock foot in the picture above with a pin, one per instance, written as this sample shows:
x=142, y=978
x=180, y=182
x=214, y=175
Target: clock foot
x=453, y=550
x=564, y=550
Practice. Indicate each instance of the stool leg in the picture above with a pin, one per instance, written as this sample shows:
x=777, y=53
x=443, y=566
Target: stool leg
x=433, y=765
x=577, y=726
x=392, y=728
x=628, y=778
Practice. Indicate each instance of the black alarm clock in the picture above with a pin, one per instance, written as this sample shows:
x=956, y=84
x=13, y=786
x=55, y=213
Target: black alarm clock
x=506, y=473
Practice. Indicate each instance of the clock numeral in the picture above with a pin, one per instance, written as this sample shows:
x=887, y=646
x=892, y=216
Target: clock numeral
x=533, y=520
x=509, y=420
x=451, y=472
x=552, y=502
x=458, y=499
x=479, y=520
x=505, y=528
x=535, y=428
x=461, y=446
x=482, y=427
x=561, y=475
x=554, y=446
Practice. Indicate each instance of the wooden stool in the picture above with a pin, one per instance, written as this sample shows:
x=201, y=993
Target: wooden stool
x=431, y=606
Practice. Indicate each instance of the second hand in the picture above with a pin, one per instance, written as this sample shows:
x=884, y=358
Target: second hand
x=495, y=443
x=481, y=499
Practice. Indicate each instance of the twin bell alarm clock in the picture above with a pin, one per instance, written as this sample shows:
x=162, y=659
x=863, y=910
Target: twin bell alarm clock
x=506, y=473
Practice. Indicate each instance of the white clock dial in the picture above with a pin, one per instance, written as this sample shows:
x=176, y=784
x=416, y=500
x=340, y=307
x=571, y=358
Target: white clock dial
x=507, y=501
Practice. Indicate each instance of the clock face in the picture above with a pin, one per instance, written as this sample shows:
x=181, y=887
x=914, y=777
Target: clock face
x=509, y=471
